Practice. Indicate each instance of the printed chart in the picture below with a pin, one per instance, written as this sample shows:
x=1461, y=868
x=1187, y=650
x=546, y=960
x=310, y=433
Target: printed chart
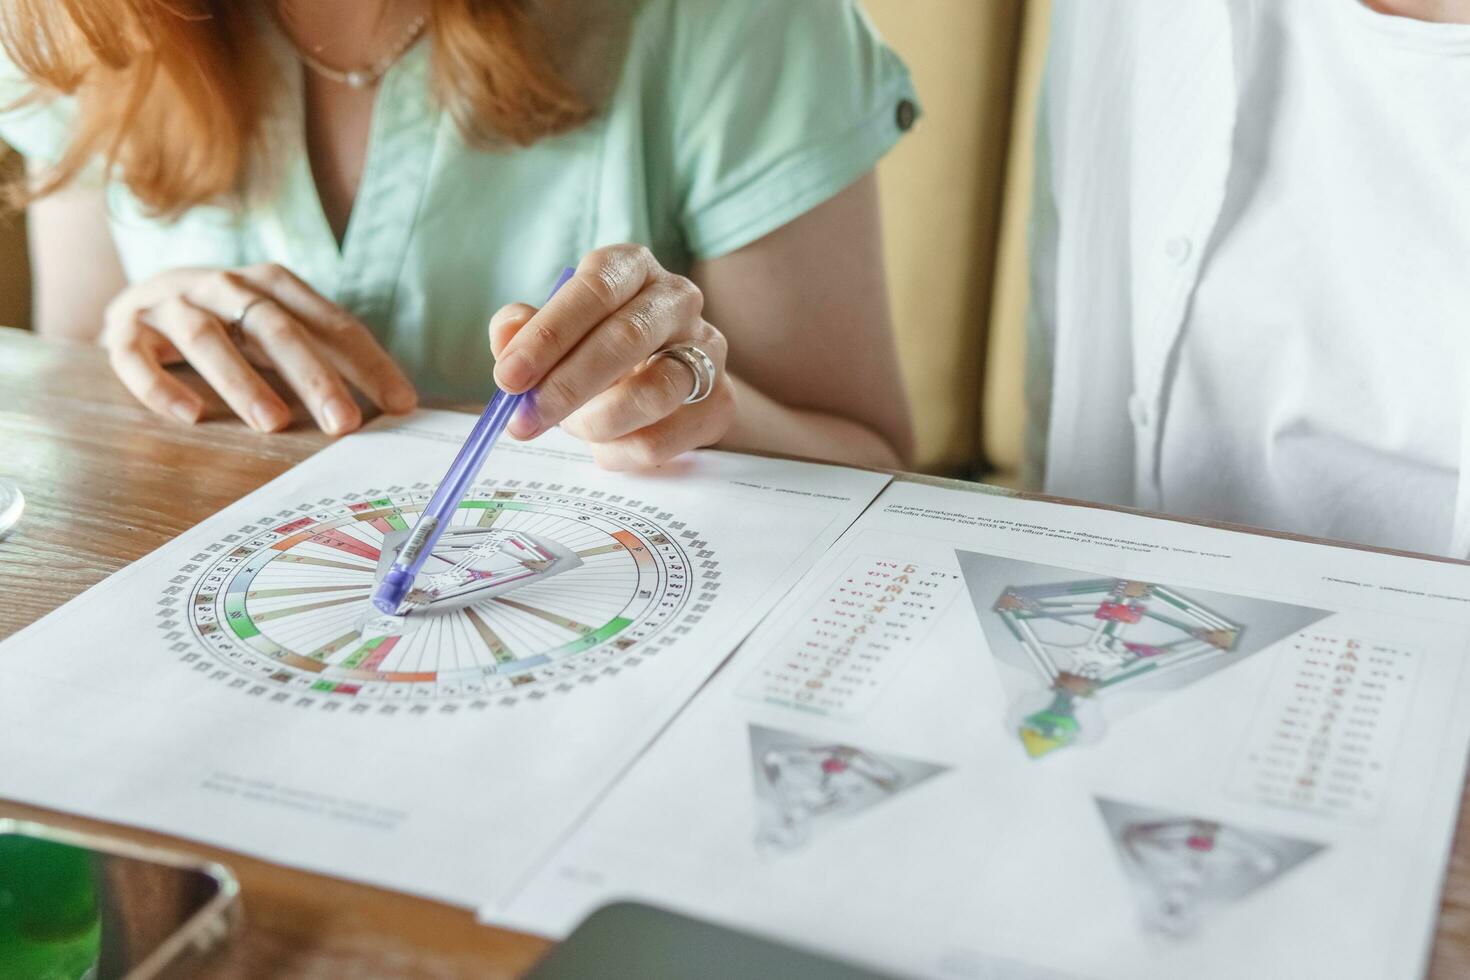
x=237, y=687
x=1327, y=732
x=1083, y=637
x=856, y=634
x=1274, y=795
x=1182, y=867
x=527, y=591
x=803, y=783
x=1083, y=641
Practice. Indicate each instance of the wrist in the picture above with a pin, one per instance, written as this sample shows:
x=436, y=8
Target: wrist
x=763, y=424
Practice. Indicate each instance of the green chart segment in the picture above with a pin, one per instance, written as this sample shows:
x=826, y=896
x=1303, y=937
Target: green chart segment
x=534, y=588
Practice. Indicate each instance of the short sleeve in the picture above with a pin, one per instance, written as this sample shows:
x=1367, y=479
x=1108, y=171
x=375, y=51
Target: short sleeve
x=38, y=129
x=780, y=104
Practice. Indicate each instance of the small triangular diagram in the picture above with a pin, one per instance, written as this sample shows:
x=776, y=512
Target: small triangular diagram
x=1184, y=867
x=1068, y=644
x=804, y=784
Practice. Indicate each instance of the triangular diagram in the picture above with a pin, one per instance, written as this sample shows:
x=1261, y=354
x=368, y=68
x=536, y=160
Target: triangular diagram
x=1183, y=867
x=803, y=784
x=1068, y=642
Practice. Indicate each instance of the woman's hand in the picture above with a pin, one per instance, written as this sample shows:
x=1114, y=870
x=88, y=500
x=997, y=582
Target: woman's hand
x=586, y=354
x=191, y=315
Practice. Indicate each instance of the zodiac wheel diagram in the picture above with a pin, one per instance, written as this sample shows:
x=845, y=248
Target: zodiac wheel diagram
x=529, y=591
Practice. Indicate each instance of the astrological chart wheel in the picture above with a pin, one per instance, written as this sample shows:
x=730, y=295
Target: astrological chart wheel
x=530, y=591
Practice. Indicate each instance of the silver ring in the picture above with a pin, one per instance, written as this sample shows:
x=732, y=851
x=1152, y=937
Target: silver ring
x=698, y=362
x=236, y=326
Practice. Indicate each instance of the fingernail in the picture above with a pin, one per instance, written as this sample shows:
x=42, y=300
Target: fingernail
x=514, y=372
x=184, y=412
x=402, y=400
x=339, y=415
x=526, y=422
x=263, y=416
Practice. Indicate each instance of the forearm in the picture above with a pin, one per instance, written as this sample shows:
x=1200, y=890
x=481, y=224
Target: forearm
x=75, y=266
x=764, y=424
x=811, y=345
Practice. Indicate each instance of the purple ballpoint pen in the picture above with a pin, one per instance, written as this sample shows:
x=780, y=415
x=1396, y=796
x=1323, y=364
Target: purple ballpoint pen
x=388, y=596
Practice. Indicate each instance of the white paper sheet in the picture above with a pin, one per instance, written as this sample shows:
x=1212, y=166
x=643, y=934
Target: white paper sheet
x=988, y=737
x=223, y=689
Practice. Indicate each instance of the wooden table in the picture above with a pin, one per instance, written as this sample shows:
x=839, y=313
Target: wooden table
x=106, y=483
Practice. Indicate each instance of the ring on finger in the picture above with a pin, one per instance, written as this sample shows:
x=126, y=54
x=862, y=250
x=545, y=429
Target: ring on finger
x=236, y=326
x=698, y=362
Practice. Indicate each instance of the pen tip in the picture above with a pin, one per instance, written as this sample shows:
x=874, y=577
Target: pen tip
x=390, y=592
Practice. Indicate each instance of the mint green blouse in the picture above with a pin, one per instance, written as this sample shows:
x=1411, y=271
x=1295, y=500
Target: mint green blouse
x=729, y=119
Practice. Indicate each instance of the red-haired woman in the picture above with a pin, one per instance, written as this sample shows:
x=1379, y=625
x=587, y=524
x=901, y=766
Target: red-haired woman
x=349, y=192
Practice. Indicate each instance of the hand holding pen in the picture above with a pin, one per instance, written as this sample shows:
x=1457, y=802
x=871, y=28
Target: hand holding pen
x=419, y=545
x=632, y=420
x=621, y=358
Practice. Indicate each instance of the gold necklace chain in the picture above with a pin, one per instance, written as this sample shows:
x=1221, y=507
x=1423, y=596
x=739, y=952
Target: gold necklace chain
x=365, y=77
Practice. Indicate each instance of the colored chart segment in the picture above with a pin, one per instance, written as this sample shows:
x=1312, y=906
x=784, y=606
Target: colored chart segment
x=527, y=590
x=1184, y=868
x=804, y=784
x=1067, y=643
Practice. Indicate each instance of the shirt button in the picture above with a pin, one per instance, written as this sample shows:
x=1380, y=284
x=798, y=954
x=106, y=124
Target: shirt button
x=1138, y=411
x=1178, y=249
x=905, y=114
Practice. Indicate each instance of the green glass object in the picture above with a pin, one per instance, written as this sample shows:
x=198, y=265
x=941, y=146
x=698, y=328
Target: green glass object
x=50, y=924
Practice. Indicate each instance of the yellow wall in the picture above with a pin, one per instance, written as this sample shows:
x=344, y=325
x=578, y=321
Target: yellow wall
x=942, y=192
x=15, y=268
x=1002, y=405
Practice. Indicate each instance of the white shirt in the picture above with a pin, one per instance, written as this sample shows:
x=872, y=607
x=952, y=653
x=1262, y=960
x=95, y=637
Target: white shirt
x=1252, y=266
